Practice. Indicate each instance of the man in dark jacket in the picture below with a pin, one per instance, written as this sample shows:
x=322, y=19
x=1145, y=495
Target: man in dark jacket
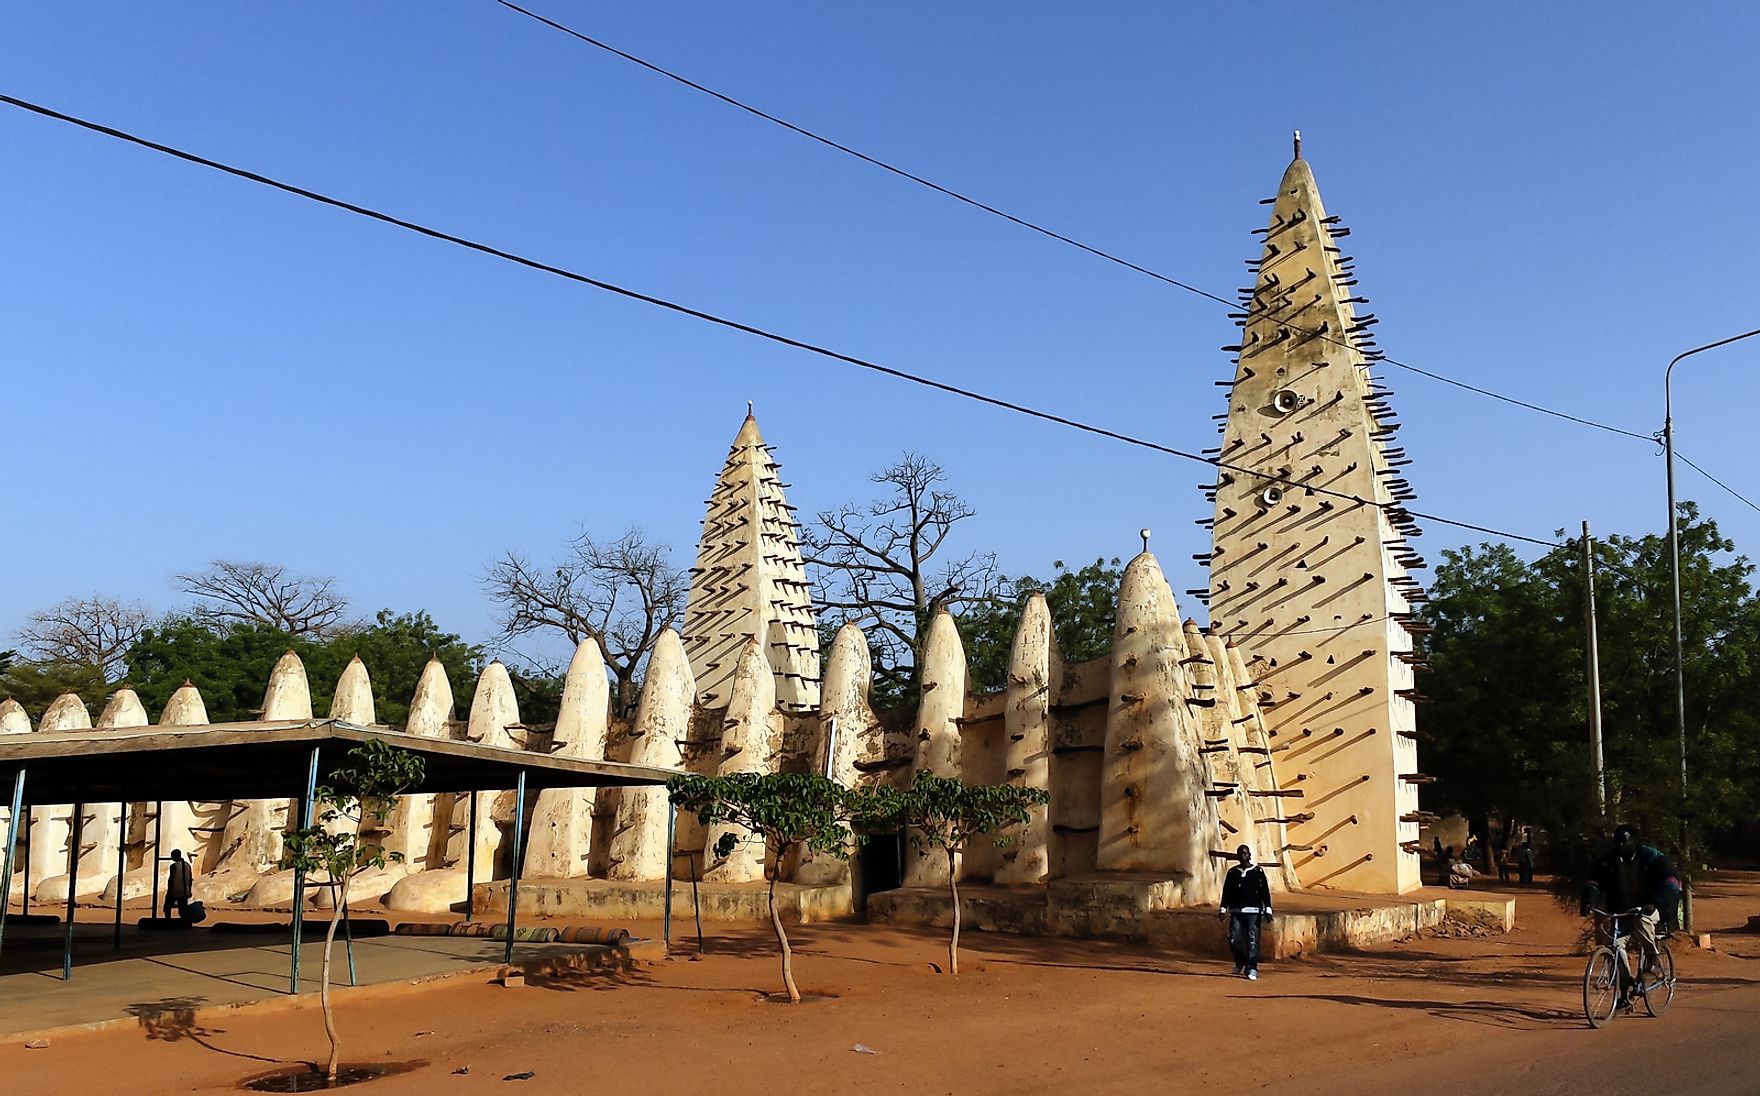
x=1631, y=876
x=179, y=882
x=1246, y=900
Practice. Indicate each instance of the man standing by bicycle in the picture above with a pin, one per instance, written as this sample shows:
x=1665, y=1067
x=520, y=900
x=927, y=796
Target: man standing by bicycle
x=1631, y=876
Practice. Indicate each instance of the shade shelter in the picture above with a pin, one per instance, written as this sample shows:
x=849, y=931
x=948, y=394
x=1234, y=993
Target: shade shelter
x=262, y=760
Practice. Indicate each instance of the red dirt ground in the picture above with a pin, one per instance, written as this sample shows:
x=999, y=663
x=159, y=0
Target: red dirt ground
x=1026, y=1015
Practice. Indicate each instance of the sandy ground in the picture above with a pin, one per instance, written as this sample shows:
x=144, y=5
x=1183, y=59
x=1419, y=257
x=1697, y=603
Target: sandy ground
x=1026, y=1015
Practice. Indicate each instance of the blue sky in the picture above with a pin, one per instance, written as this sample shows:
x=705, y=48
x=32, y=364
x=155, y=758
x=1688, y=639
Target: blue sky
x=1547, y=200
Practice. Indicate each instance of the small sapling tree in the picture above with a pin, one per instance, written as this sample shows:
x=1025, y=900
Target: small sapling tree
x=945, y=813
x=334, y=845
x=787, y=811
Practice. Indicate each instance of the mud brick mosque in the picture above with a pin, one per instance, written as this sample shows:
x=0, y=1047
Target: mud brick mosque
x=1287, y=724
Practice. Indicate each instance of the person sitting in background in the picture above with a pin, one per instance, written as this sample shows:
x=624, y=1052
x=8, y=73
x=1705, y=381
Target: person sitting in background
x=1460, y=873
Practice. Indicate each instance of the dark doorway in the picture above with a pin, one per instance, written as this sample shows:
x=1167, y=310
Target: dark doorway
x=880, y=864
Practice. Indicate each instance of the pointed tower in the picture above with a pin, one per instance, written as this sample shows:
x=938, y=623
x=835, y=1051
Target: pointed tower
x=1308, y=568
x=749, y=583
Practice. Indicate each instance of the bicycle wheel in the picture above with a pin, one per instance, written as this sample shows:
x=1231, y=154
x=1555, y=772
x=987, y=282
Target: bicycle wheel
x=1601, y=987
x=1660, y=994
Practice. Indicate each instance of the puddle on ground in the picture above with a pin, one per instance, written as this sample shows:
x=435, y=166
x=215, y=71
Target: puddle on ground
x=306, y=1079
x=806, y=998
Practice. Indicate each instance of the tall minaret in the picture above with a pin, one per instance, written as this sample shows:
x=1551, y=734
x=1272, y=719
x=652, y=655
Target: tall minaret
x=749, y=582
x=1308, y=569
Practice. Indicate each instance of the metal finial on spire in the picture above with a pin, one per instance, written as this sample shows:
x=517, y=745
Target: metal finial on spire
x=1144, y=533
x=1298, y=144
x=749, y=409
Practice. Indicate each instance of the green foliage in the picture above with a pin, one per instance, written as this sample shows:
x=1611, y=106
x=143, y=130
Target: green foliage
x=231, y=667
x=783, y=809
x=338, y=845
x=1084, y=611
x=36, y=684
x=1507, y=726
x=360, y=792
x=538, y=694
x=944, y=812
x=396, y=648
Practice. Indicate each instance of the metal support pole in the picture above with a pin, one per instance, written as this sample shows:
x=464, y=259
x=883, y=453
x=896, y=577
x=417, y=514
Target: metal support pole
x=24, y=895
x=158, y=850
x=1674, y=552
x=666, y=913
x=121, y=869
x=696, y=903
x=519, y=825
x=470, y=860
x=11, y=848
x=74, y=837
x=299, y=876
x=348, y=942
x=1593, y=643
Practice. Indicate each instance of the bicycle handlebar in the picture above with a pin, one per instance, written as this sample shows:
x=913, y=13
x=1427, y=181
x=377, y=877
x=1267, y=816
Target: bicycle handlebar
x=1627, y=913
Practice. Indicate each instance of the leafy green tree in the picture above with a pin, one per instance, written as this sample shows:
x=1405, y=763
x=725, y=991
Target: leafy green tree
x=36, y=684
x=335, y=848
x=396, y=648
x=231, y=668
x=1084, y=608
x=948, y=814
x=538, y=692
x=786, y=811
x=1506, y=728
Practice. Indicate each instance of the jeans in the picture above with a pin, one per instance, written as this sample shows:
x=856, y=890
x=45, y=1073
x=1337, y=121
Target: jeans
x=1243, y=939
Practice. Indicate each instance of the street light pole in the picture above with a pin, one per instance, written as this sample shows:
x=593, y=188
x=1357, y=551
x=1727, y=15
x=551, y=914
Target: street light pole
x=1674, y=553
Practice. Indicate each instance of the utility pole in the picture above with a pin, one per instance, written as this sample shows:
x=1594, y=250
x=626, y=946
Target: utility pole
x=1674, y=551
x=1594, y=648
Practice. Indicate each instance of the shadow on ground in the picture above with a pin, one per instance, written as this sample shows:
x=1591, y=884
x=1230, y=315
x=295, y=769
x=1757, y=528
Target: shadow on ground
x=174, y=1019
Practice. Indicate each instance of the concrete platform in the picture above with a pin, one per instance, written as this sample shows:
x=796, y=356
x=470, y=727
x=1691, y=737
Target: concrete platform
x=1495, y=910
x=1134, y=908
x=184, y=975
x=601, y=901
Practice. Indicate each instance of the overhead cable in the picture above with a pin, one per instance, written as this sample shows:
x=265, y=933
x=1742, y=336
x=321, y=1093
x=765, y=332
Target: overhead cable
x=1033, y=226
x=736, y=325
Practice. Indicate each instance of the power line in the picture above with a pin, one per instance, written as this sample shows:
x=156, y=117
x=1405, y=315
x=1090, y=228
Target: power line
x=1737, y=494
x=1098, y=252
x=722, y=321
x=1039, y=228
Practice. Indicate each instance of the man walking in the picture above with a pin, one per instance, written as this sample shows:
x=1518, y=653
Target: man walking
x=1525, y=861
x=179, y=884
x=1246, y=901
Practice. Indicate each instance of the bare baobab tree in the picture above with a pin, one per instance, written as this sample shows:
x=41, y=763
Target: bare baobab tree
x=87, y=631
x=879, y=565
x=620, y=594
x=241, y=592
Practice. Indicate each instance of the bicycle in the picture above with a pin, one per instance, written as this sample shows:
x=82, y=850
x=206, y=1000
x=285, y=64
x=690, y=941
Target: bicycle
x=1610, y=982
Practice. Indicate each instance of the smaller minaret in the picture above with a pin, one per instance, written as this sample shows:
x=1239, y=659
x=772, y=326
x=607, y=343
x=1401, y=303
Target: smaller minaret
x=749, y=583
